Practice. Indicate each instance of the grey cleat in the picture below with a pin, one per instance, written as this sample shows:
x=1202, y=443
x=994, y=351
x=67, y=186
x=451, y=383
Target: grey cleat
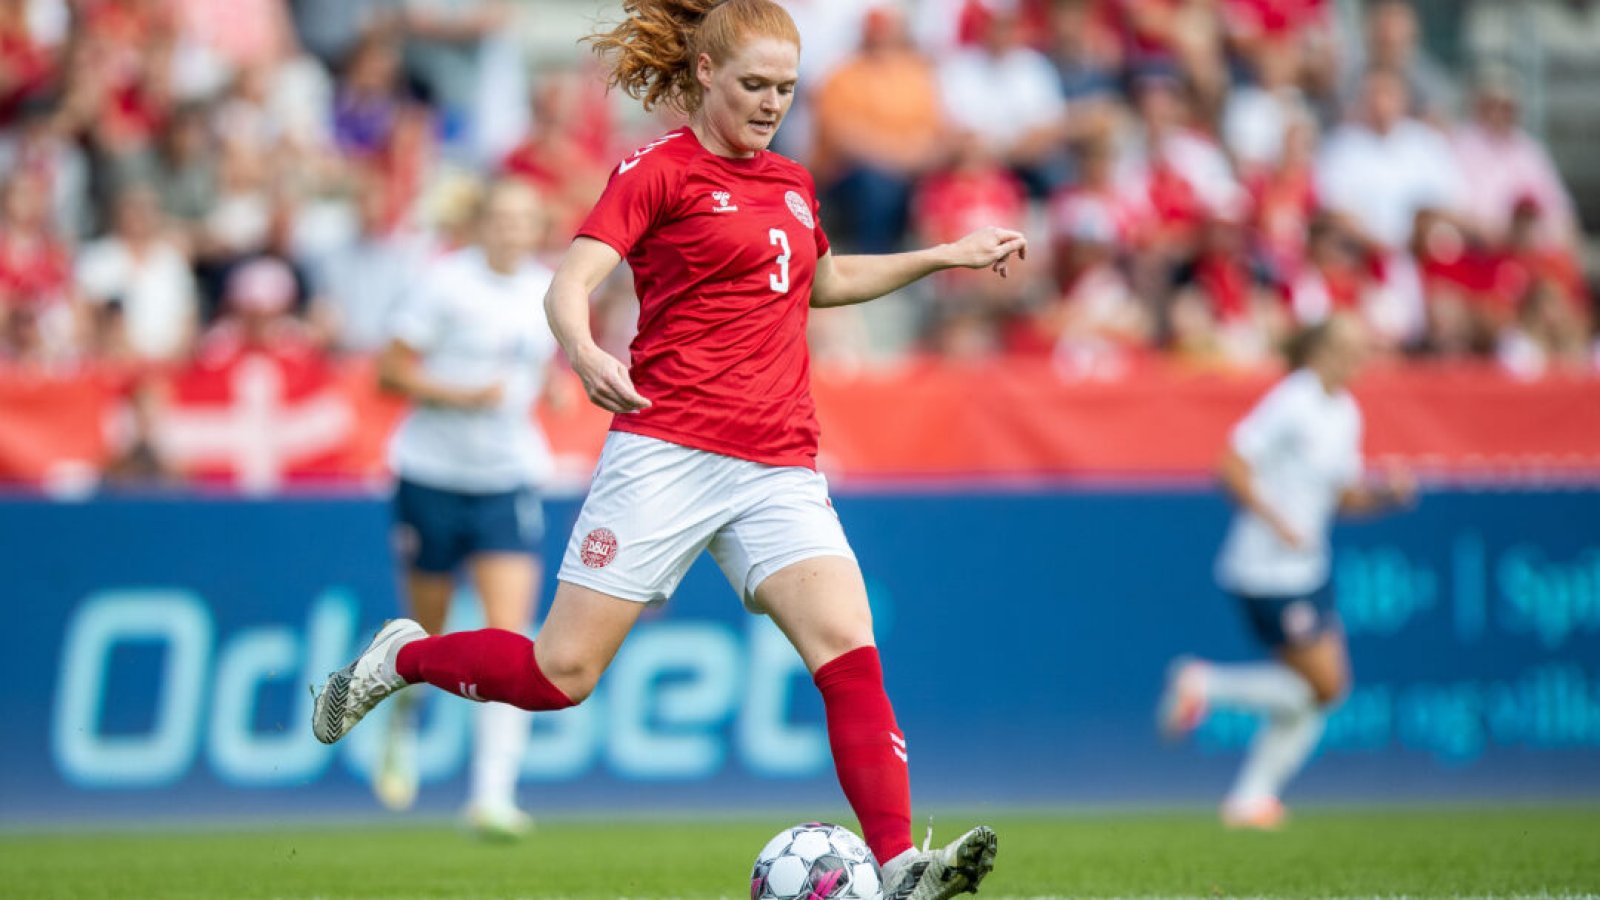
x=956, y=868
x=354, y=690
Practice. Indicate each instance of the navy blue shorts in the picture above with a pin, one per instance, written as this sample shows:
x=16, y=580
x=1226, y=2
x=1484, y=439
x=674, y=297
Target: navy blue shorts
x=439, y=529
x=1293, y=620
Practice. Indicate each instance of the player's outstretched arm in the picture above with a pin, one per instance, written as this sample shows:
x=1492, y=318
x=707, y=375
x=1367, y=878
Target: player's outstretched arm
x=844, y=280
x=605, y=379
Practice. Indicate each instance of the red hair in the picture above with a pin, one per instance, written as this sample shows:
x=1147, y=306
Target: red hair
x=652, y=55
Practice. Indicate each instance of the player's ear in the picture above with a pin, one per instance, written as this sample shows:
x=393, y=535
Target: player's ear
x=702, y=71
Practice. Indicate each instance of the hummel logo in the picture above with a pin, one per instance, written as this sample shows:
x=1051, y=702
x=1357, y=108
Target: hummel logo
x=898, y=745
x=721, y=205
x=469, y=691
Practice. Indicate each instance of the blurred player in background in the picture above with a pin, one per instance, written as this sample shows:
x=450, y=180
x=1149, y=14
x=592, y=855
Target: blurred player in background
x=1293, y=464
x=471, y=349
x=715, y=439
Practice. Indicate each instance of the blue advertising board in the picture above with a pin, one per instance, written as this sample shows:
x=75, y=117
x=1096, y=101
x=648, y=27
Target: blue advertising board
x=157, y=654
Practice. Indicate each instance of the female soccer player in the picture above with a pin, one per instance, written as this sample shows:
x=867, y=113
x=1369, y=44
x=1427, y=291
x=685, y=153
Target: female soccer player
x=472, y=351
x=715, y=438
x=1293, y=464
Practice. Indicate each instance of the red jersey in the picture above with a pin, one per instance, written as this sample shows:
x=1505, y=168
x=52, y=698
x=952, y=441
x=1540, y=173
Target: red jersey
x=723, y=252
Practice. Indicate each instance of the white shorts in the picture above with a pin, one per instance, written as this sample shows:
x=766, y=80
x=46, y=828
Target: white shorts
x=654, y=505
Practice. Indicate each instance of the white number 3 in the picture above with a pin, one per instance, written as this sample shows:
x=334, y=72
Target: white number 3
x=780, y=281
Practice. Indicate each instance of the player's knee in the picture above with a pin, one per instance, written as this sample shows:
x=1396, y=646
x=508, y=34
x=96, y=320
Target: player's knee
x=572, y=675
x=1329, y=690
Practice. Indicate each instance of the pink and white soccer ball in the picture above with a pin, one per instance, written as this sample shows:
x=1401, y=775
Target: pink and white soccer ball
x=816, y=861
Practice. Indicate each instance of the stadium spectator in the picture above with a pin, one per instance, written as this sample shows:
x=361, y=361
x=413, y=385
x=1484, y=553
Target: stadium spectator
x=27, y=61
x=1547, y=335
x=1085, y=53
x=141, y=271
x=1010, y=95
x=1223, y=310
x=1336, y=277
x=369, y=98
x=258, y=318
x=567, y=154
x=1257, y=115
x=44, y=322
x=1185, y=35
x=1097, y=323
x=878, y=126
x=1393, y=43
x=40, y=141
x=1385, y=167
x=974, y=190
x=1284, y=197
x=184, y=173
x=1508, y=166
x=1185, y=174
x=359, y=285
x=472, y=73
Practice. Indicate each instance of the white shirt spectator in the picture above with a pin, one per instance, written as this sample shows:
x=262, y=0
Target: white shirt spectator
x=475, y=328
x=1001, y=98
x=363, y=284
x=1383, y=180
x=1304, y=449
x=155, y=287
x=1507, y=169
x=1254, y=122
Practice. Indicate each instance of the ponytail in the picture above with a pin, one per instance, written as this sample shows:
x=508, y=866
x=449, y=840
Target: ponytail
x=652, y=55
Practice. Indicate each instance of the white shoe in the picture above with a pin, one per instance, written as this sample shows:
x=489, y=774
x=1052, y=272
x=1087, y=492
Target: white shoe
x=395, y=780
x=1183, y=704
x=498, y=823
x=956, y=868
x=354, y=690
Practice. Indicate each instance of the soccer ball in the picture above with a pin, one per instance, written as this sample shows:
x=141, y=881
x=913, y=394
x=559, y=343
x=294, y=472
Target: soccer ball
x=815, y=861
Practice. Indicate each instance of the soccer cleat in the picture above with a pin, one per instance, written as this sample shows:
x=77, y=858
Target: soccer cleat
x=1183, y=704
x=956, y=868
x=1261, y=814
x=395, y=779
x=498, y=823
x=354, y=690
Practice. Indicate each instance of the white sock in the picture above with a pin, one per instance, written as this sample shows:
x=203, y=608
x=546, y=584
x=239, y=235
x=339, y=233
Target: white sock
x=1280, y=748
x=1269, y=688
x=501, y=736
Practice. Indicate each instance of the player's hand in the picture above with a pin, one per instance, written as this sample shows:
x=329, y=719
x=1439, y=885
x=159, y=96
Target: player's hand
x=1290, y=538
x=1400, y=485
x=487, y=397
x=606, y=381
x=989, y=247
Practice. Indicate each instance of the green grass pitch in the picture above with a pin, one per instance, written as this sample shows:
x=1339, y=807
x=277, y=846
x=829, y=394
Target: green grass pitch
x=1325, y=853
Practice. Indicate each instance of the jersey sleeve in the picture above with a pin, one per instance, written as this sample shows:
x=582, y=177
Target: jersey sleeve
x=1266, y=426
x=821, y=236
x=418, y=318
x=639, y=191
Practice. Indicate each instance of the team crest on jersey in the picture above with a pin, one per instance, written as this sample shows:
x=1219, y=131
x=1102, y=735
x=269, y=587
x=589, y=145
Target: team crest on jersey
x=719, y=202
x=802, y=210
x=599, y=548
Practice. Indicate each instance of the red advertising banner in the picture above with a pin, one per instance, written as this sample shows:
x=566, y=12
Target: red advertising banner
x=259, y=422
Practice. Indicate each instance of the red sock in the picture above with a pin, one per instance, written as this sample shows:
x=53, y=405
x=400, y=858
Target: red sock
x=490, y=664
x=869, y=751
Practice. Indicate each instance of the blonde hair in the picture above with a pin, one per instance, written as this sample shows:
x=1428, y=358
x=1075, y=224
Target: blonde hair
x=653, y=54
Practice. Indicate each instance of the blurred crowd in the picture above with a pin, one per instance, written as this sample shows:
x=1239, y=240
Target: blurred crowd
x=186, y=181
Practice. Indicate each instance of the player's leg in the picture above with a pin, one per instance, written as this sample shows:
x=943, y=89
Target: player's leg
x=786, y=554
x=1311, y=669
x=429, y=527
x=507, y=584
x=506, y=529
x=651, y=510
